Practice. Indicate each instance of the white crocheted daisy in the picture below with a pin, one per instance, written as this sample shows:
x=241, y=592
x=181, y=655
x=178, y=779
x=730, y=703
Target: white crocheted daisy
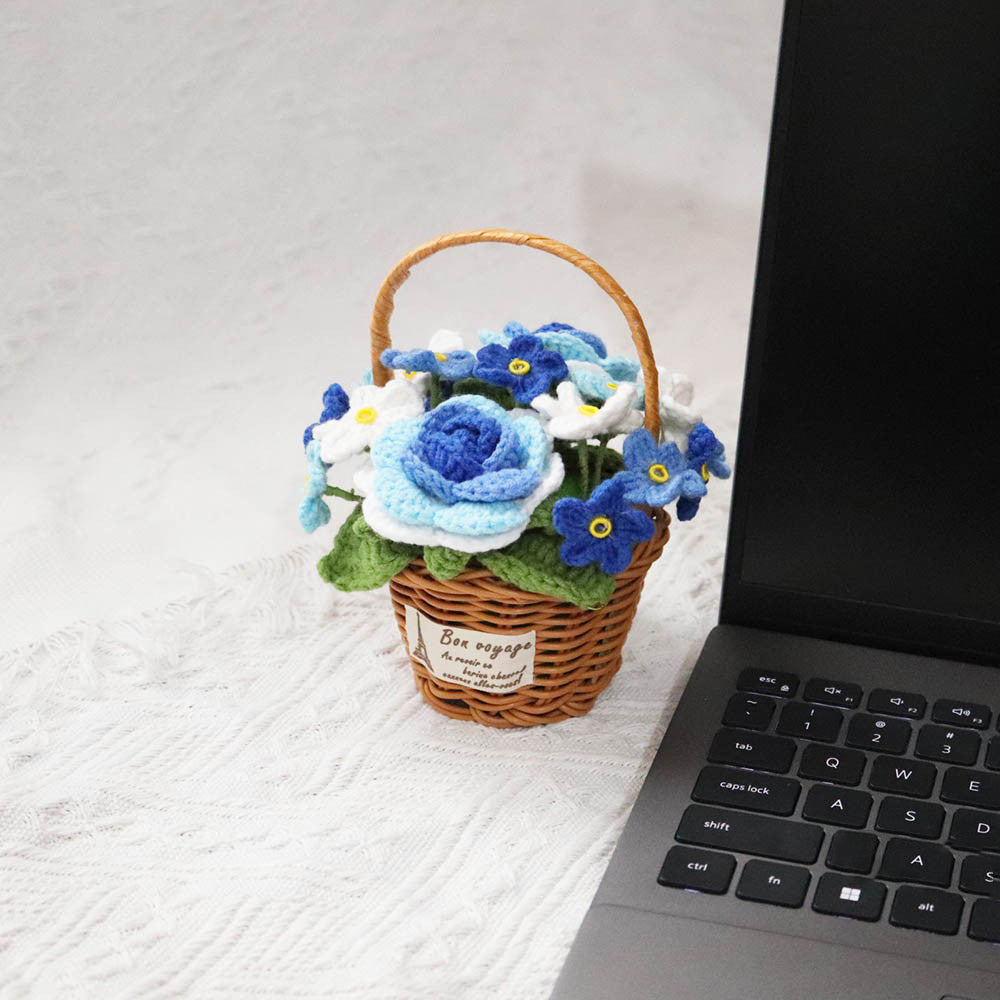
x=572, y=419
x=373, y=408
x=677, y=416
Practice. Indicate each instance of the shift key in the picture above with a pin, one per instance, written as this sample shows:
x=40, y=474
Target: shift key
x=732, y=831
x=753, y=750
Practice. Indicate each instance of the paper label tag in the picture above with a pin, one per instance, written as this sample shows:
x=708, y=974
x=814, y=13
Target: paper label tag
x=481, y=660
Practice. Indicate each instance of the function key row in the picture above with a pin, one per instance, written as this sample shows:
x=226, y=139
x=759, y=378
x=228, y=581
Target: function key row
x=881, y=701
x=915, y=907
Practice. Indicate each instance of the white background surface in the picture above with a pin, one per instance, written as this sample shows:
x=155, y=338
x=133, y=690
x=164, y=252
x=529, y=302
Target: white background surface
x=200, y=199
x=198, y=203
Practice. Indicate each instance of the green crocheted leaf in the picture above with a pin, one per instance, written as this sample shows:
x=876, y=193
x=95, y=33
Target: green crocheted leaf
x=362, y=560
x=444, y=564
x=532, y=563
x=477, y=387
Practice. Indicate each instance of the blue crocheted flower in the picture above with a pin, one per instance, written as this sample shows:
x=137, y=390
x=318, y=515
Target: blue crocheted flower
x=466, y=475
x=335, y=405
x=313, y=511
x=706, y=457
x=451, y=365
x=656, y=474
x=524, y=366
x=571, y=344
x=602, y=529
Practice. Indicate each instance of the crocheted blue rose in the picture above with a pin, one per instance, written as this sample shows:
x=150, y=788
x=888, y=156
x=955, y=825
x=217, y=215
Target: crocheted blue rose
x=313, y=511
x=451, y=365
x=656, y=474
x=525, y=366
x=335, y=405
x=706, y=457
x=466, y=475
x=571, y=344
x=602, y=529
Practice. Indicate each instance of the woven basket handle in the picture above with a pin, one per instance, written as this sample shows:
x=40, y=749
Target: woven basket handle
x=384, y=302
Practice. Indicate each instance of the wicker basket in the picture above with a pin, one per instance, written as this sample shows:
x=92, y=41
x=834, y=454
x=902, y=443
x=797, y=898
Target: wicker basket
x=576, y=652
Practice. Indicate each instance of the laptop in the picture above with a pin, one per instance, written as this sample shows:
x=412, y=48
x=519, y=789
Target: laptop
x=822, y=819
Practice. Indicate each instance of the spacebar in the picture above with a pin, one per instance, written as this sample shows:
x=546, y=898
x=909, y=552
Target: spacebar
x=734, y=831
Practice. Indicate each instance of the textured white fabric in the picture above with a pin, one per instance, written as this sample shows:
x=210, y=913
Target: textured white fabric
x=243, y=794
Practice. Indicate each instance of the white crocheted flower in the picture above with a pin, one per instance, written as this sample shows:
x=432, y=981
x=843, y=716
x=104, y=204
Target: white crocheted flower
x=571, y=419
x=372, y=409
x=676, y=414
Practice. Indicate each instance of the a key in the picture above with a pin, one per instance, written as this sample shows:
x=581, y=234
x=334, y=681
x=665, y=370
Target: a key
x=810, y=722
x=782, y=839
x=905, y=777
x=851, y=851
x=909, y=817
x=980, y=875
x=916, y=861
x=953, y=746
x=825, y=692
x=926, y=909
x=749, y=711
x=975, y=831
x=884, y=735
x=768, y=882
x=844, y=767
x=841, y=806
x=961, y=713
x=690, y=868
x=984, y=924
x=849, y=896
x=726, y=786
x=753, y=750
x=768, y=682
x=993, y=754
x=971, y=788
x=912, y=706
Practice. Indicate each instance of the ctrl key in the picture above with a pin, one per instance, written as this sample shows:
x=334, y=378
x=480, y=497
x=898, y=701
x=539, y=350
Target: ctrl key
x=984, y=924
x=689, y=868
x=849, y=896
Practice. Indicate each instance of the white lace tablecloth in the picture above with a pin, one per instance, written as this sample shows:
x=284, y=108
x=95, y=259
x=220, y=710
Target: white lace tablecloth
x=243, y=795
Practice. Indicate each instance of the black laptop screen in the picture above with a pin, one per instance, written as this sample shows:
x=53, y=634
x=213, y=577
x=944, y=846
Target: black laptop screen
x=873, y=397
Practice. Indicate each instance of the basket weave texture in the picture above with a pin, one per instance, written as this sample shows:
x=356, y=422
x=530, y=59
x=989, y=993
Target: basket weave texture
x=577, y=652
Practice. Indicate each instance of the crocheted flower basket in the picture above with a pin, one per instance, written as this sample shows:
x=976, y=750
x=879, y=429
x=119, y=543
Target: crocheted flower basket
x=514, y=536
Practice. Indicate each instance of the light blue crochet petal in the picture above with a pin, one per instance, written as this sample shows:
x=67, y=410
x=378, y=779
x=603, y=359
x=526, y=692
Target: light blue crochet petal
x=620, y=368
x=404, y=499
x=393, y=442
x=571, y=348
x=313, y=513
x=496, y=337
x=535, y=444
x=492, y=487
x=469, y=518
x=640, y=451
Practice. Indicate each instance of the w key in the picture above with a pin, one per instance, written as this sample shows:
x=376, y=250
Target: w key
x=904, y=777
x=811, y=722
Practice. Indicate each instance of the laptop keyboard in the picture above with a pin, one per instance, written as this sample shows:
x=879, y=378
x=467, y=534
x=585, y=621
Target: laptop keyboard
x=898, y=800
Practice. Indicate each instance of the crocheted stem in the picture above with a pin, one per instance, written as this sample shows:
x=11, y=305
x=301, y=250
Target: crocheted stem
x=602, y=449
x=583, y=454
x=336, y=491
x=435, y=390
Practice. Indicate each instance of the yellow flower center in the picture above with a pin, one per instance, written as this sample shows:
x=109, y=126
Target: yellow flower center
x=410, y=375
x=440, y=356
x=366, y=415
x=587, y=410
x=612, y=386
x=600, y=527
x=658, y=473
x=519, y=367
x=704, y=471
